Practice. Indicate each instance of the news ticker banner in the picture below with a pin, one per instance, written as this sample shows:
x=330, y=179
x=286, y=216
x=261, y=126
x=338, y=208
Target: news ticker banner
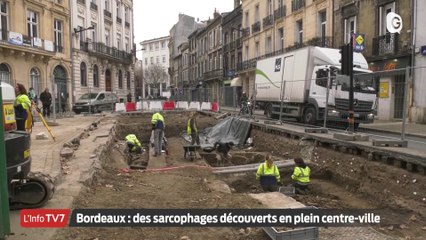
x=302, y=217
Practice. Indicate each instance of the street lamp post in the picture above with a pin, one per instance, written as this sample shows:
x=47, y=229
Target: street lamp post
x=76, y=31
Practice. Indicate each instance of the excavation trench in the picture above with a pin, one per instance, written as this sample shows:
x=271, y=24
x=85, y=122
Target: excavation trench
x=338, y=180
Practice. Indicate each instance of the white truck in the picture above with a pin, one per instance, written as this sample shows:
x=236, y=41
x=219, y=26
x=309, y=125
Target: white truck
x=294, y=85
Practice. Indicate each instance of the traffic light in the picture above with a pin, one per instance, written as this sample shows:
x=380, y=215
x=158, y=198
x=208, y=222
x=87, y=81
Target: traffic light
x=346, y=52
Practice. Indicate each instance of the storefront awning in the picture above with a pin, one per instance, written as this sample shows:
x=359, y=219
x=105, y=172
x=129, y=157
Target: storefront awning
x=236, y=82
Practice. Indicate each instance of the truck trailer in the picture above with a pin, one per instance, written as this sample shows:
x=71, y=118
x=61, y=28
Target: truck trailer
x=294, y=85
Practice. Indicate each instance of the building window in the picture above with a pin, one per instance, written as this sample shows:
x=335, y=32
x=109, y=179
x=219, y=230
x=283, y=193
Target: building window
x=32, y=24
x=107, y=5
x=120, y=79
x=157, y=59
x=299, y=32
x=268, y=45
x=383, y=12
x=107, y=37
x=247, y=20
x=95, y=76
x=350, y=28
x=57, y=28
x=127, y=44
x=126, y=14
x=118, y=9
x=322, y=17
x=118, y=41
x=150, y=47
x=35, y=80
x=146, y=61
x=164, y=58
x=94, y=32
x=269, y=10
x=4, y=73
x=3, y=20
x=256, y=14
x=163, y=44
x=128, y=80
x=247, y=53
x=256, y=49
x=83, y=74
x=280, y=39
x=151, y=60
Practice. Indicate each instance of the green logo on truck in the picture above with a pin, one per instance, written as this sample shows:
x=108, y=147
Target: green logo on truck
x=259, y=72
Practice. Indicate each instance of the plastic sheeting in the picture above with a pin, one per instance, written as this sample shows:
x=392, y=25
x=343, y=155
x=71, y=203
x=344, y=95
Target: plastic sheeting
x=231, y=129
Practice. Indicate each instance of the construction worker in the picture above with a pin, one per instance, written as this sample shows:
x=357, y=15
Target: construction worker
x=269, y=175
x=133, y=144
x=191, y=129
x=22, y=106
x=301, y=175
x=158, y=126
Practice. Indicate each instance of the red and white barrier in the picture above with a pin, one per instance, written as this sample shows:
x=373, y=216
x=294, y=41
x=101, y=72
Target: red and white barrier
x=169, y=105
x=215, y=107
x=119, y=107
x=194, y=105
x=130, y=107
x=207, y=106
x=155, y=105
x=182, y=105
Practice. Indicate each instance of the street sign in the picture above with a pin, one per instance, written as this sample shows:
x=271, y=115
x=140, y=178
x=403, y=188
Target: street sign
x=358, y=42
x=423, y=50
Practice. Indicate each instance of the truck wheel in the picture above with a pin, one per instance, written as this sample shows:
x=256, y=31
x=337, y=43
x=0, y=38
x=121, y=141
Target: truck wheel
x=268, y=111
x=310, y=116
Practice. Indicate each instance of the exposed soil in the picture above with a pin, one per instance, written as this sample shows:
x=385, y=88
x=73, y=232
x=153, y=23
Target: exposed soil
x=339, y=181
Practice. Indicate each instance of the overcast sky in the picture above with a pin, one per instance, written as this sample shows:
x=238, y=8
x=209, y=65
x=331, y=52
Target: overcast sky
x=154, y=18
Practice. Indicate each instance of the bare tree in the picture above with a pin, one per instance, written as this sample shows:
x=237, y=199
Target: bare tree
x=154, y=76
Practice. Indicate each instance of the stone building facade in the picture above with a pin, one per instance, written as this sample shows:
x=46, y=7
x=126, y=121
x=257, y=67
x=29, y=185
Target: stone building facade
x=103, y=49
x=272, y=27
x=34, y=44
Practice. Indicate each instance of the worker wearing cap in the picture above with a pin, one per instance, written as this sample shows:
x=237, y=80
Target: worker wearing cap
x=268, y=175
x=133, y=143
x=191, y=129
x=158, y=125
x=301, y=175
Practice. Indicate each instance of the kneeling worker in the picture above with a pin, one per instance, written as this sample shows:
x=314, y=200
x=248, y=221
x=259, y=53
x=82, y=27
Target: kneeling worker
x=300, y=175
x=269, y=175
x=133, y=144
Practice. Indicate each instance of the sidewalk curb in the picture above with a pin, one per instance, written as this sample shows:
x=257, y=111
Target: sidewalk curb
x=391, y=132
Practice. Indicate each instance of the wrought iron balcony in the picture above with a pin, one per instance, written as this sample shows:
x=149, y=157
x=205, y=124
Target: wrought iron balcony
x=268, y=21
x=280, y=12
x=119, y=20
x=297, y=5
x=247, y=65
x=93, y=6
x=127, y=24
x=255, y=27
x=217, y=73
x=107, y=14
x=102, y=50
x=386, y=44
x=246, y=32
x=319, y=42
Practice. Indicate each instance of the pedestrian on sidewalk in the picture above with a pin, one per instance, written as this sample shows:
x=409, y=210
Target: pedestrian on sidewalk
x=46, y=100
x=129, y=97
x=268, y=175
x=191, y=129
x=301, y=175
x=158, y=125
x=22, y=106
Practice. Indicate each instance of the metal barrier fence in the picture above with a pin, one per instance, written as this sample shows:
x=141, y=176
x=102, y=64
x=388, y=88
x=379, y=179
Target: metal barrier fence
x=387, y=95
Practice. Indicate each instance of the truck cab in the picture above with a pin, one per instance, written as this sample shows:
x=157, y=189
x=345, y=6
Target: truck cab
x=296, y=84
